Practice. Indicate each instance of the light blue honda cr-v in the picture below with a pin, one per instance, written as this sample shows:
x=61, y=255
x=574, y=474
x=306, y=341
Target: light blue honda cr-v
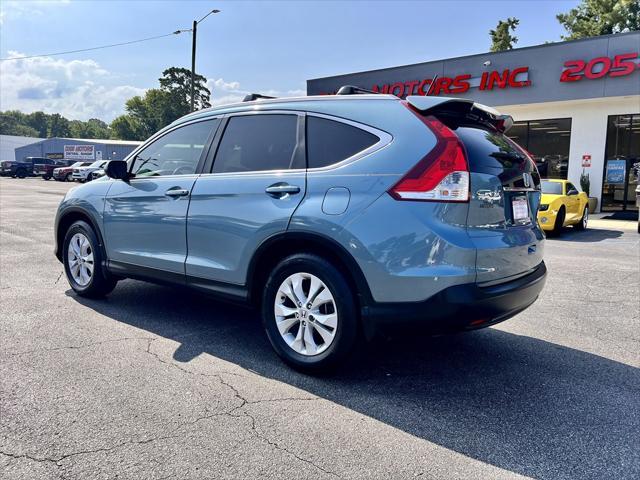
x=335, y=215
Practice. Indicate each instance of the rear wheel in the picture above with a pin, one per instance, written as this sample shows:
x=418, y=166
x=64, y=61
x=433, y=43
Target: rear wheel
x=69, y=177
x=46, y=177
x=309, y=313
x=557, y=227
x=82, y=259
x=582, y=224
x=21, y=173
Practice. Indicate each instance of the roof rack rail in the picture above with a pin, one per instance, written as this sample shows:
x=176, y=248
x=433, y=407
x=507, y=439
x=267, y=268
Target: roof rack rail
x=254, y=96
x=353, y=90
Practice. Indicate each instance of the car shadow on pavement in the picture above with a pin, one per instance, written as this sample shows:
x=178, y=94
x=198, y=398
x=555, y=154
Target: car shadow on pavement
x=591, y=235
x=522, y=404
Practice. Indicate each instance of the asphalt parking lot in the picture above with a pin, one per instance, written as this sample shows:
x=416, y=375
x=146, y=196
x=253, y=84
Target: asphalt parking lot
x=158, y=383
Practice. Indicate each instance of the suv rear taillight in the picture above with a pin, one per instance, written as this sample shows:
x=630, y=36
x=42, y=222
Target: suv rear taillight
x=442, y=174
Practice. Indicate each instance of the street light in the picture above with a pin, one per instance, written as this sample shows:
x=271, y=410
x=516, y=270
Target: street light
x=193, y=56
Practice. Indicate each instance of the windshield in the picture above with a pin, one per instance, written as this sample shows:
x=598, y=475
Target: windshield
x=78, y=164
x=553, y=188
x=97, y=163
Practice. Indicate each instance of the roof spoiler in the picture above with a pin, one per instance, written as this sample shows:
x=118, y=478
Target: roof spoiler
x=461, y=107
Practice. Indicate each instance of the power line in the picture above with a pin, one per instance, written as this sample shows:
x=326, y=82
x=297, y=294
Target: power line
x=177, y=32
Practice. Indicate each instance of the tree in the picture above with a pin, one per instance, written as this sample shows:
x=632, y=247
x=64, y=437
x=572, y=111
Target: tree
x=40, y=122
x=58, y=126
x=177, y=81
x=600, y=17
x=501, y=38
x=10, y=125
x=161, y=106
x=125, y=128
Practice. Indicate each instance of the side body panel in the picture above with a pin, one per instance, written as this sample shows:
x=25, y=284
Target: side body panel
x=230, y=216
x=145, y=227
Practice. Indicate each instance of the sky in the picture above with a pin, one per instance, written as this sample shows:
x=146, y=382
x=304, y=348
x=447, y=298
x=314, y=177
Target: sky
x=250, y=46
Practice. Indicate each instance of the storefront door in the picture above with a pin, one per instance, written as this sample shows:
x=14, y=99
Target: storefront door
x=622, y=163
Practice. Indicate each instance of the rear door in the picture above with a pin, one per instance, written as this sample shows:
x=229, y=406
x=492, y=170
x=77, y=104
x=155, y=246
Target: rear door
x=257, y=179
x=505, y=196
x=145, y=218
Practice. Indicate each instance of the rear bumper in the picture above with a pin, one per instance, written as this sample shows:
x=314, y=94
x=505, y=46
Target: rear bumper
x=460, y=307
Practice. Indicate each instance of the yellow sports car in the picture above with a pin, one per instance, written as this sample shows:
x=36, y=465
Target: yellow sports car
x=561, y=205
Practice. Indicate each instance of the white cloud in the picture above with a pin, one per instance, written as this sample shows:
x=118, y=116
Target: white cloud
x=12, y=9
x=77, y=89
x=223, y=92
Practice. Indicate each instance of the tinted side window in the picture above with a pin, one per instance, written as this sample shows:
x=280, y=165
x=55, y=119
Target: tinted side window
x=570, y=187
x=330, y=142
x=176, y=153
x=258, y=142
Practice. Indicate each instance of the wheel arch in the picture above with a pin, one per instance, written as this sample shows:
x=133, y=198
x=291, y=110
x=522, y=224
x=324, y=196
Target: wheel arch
x=68, y=218
x=280, y=246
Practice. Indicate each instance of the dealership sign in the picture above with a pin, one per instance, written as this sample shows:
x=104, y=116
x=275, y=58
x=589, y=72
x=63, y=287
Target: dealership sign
x=79, y=152
x=511, y=78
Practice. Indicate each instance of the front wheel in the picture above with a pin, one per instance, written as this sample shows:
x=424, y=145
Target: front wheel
x=582, y=224
x=309, y=313
x=82, y=259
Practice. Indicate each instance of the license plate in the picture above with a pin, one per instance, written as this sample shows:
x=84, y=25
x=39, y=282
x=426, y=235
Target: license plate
x=520, y=209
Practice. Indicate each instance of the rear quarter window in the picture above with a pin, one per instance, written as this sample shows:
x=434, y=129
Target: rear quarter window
x=330, y=142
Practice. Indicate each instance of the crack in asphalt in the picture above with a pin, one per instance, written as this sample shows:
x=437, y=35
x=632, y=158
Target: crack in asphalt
x=72, y=347
x=243, y=402
x=57, y=460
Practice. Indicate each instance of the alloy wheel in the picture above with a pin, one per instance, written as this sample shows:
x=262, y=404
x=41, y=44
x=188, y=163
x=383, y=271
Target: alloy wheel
x=306, y=314
x=80, y=259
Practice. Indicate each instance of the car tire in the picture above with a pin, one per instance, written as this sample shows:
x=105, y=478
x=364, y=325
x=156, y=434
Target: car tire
x=68, y=177
x=584, y=220
x=46, y=177
x=334, y=337
x=83, y=262
x=21, y=173
x=559, y=224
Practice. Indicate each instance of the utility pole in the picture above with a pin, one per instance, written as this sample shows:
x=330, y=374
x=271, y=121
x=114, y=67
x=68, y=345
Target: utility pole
x=193, y=64
x=194, y=31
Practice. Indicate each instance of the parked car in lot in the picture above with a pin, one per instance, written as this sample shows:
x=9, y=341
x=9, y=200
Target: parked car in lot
x=83, y=174
x=45, y=170
x=98, y=174
x=562, y=204
x=334, y=215
x=64, y=174
x=23, y=168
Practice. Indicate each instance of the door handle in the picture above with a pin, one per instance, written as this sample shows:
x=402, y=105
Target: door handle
x=177, y=192
x=281, y=189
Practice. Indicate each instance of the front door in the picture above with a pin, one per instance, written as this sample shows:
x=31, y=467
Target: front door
x=573, y=203
x=256, y=183
x=145, y=218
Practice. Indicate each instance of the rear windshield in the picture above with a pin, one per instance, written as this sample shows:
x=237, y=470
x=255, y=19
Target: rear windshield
x=494, y=153
x=552, y=188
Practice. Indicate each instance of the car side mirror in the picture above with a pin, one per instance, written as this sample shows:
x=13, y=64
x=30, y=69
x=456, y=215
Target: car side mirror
x=572, y=192
x=117, y=169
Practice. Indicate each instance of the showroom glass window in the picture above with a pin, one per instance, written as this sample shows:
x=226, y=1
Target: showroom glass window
x=176, y=153
x=548, y=142
x=621, y=162
x=254, y=143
